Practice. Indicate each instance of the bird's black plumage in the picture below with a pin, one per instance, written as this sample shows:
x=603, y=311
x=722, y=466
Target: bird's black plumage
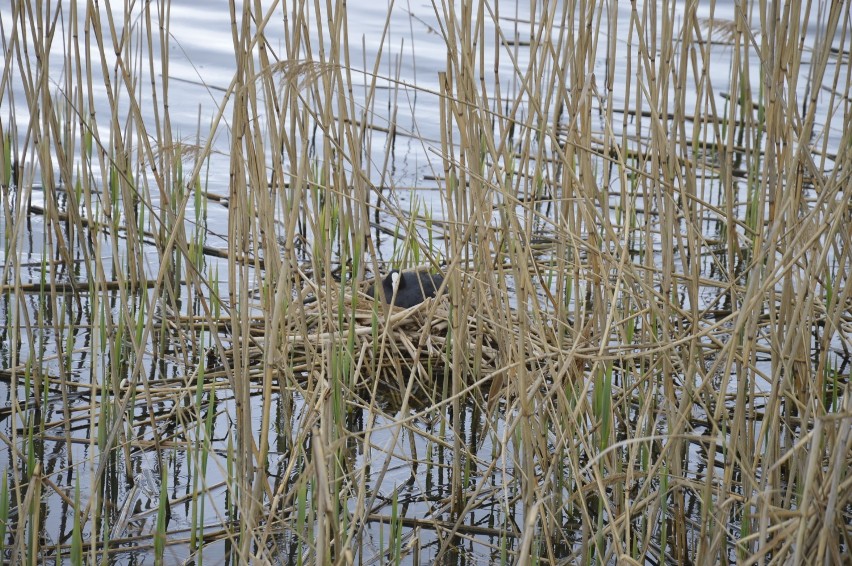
x=414, y=287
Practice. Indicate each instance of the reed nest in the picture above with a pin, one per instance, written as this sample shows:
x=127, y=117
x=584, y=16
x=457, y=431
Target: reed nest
x=387, y=341
x=402, y=356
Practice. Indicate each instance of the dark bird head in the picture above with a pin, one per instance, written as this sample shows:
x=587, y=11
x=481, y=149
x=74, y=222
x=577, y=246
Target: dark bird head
x=412, y=287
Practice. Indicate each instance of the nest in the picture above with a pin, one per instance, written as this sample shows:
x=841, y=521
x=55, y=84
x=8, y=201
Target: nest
x=370, y=341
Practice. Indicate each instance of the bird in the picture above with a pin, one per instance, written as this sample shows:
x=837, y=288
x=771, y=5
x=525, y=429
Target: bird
x=413, y=287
